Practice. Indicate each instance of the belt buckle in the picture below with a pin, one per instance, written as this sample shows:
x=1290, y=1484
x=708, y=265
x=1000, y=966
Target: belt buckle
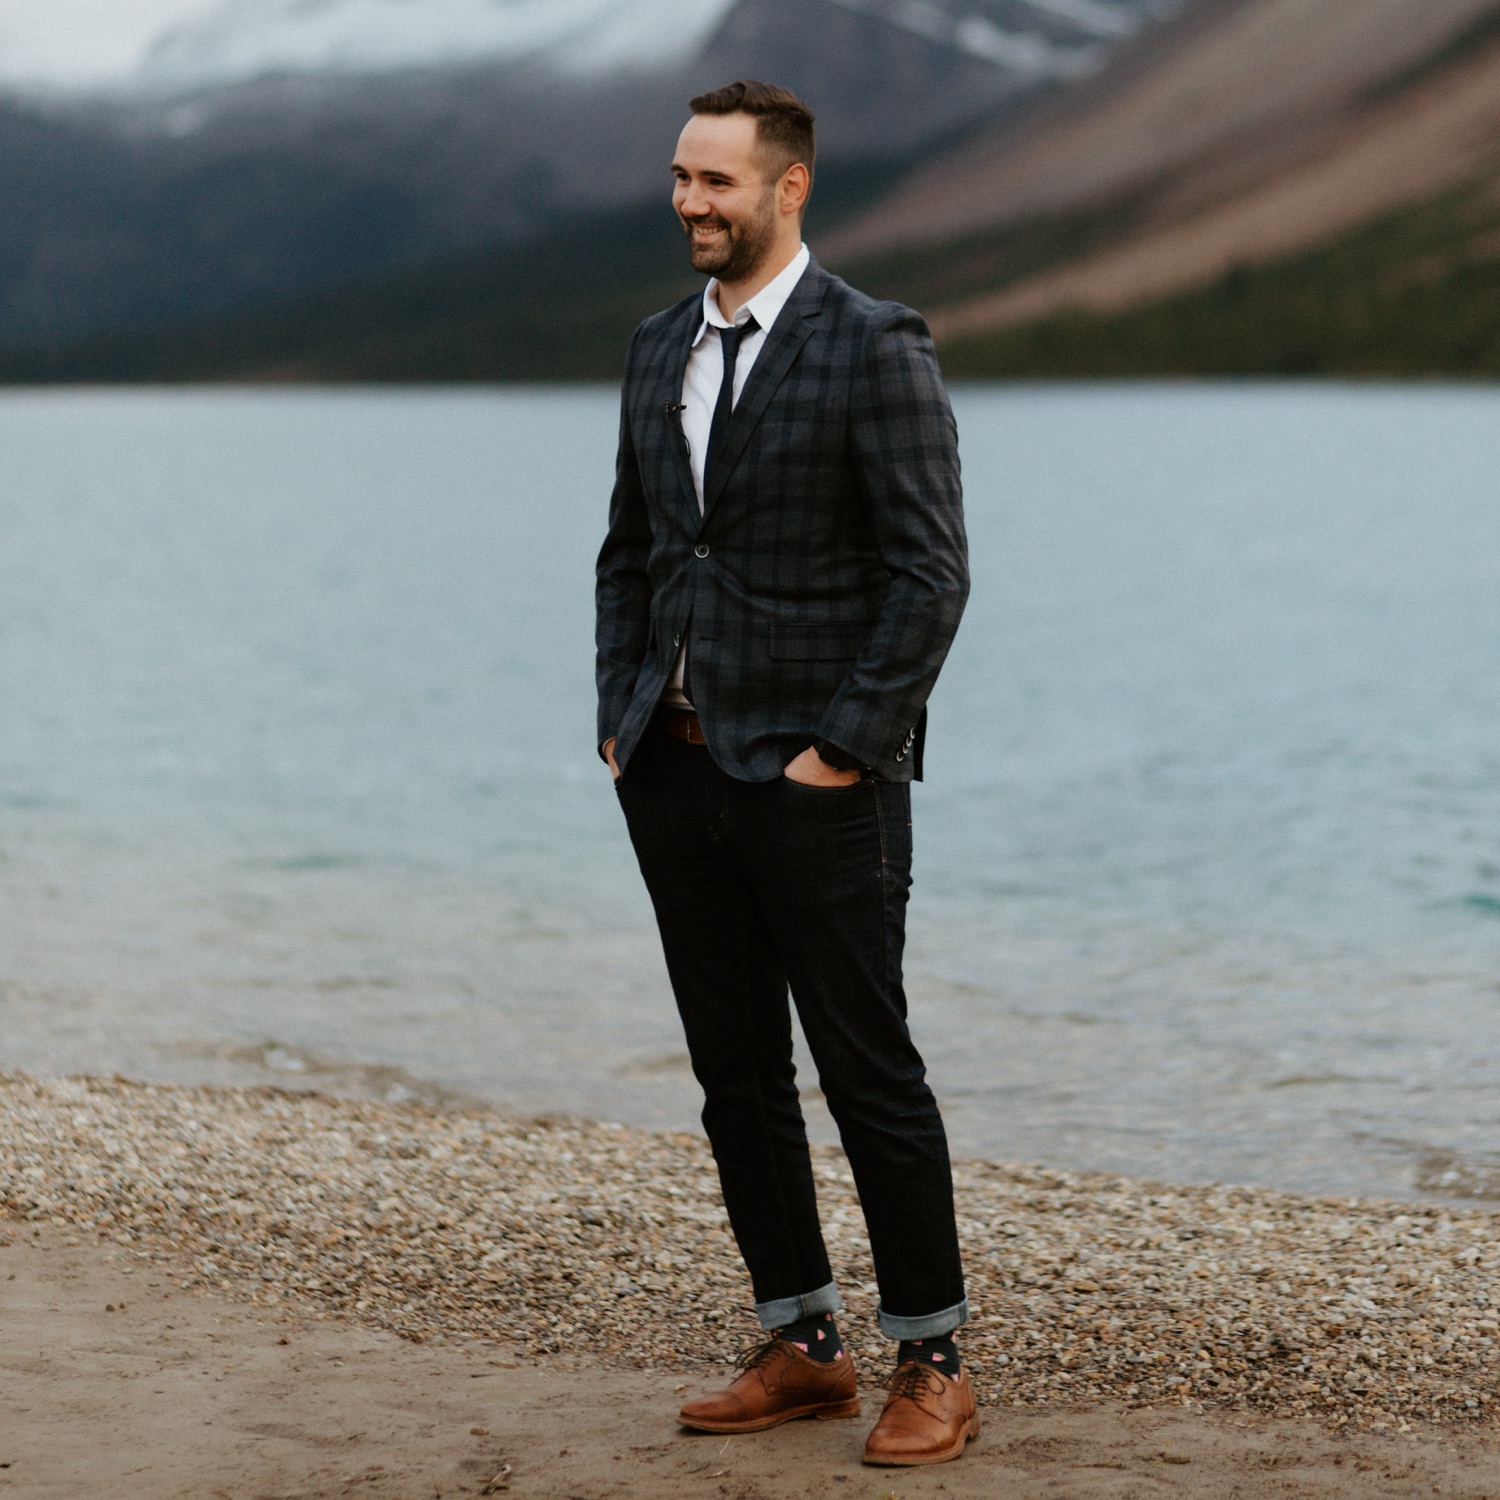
x=683, y=724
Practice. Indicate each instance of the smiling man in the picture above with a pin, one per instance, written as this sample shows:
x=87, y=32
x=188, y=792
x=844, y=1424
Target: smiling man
x=782, y=578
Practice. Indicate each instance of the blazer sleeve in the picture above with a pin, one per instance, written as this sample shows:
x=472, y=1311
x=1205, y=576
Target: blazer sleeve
x=622, y=588
x=904, y=444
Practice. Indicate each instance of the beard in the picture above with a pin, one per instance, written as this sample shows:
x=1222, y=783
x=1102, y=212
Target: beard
x=739, y=253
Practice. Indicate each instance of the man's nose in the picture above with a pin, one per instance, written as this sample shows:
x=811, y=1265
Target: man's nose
x=692, y=204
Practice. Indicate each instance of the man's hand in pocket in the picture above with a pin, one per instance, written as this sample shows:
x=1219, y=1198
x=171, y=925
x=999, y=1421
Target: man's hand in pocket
x=810, y=769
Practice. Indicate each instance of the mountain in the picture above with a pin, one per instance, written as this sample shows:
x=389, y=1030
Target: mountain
x=273, y=149
x=1270, y=186
x=1245, y=187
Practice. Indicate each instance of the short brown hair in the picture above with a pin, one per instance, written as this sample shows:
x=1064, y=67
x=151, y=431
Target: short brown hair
x=783, y=123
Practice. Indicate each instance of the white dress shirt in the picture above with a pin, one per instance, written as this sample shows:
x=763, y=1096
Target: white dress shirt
x=705, y=374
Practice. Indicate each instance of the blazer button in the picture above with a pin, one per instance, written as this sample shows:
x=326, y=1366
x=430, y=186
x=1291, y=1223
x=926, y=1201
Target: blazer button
x=701, y=550
x=901, y=755
x=676, y=638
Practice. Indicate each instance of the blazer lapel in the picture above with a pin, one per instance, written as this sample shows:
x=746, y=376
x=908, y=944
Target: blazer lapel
x=783, y=343
x=667, y=397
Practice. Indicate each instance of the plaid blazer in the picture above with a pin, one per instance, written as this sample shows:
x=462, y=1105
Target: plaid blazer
x=822, y=586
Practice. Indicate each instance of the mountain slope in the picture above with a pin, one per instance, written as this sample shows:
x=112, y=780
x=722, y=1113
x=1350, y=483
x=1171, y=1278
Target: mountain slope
x=1413, y=294
x=1260, y=130
x=1231, y=94
x=1396, y=155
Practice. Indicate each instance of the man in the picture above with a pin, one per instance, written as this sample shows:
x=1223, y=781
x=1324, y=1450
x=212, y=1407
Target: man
x=783, y=575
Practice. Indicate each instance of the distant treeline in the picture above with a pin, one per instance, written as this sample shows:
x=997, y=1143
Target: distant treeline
x=560, y=306
x=1416, y=294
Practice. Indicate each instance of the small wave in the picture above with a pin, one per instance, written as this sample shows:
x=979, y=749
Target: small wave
x=668, y=1065
x=293, y=1066
x=301, y=862
x=1453, y=1176
x=1312, y=1080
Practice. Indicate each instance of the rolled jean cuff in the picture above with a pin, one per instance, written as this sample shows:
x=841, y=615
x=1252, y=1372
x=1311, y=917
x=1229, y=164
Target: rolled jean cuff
x=928, y=1326
x=786, y=1310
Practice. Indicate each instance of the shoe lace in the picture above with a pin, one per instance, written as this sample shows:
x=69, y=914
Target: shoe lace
x=760, y=1355
x=914, y=1378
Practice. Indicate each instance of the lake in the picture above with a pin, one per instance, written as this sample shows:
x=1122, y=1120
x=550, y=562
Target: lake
x=298, y=784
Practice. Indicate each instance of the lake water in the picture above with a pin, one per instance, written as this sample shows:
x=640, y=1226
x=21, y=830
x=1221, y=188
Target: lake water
x=297, y=778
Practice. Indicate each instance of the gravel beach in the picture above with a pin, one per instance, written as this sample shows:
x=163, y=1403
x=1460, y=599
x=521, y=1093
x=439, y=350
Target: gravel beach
x=610, y=1243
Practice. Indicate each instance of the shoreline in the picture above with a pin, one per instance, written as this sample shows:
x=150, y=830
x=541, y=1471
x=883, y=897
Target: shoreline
x=607, y=1243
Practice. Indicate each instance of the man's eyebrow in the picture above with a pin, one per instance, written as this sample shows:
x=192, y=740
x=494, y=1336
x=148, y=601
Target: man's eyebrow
x=723, y=172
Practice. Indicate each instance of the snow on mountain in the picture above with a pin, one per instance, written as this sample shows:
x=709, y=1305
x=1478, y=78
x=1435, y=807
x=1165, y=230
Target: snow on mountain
x=246, y=38
x=242, y=39
x=1028, y=51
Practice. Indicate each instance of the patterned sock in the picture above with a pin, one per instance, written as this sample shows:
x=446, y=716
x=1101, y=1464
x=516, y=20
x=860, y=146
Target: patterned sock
x=941, y=1351
x=817, y=1336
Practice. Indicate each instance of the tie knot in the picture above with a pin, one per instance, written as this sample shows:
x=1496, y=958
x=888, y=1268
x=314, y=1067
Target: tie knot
x=730, y=338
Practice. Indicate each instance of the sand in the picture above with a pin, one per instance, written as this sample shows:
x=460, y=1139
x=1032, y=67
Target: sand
x=255, y=1294
x=190, y=1394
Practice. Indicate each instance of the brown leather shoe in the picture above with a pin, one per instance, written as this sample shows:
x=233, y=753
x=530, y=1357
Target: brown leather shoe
x=928, y=1418
x=778, y=1384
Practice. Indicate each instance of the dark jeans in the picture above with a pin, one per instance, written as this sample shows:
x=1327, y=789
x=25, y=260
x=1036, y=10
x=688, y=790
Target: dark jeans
x=758, y=886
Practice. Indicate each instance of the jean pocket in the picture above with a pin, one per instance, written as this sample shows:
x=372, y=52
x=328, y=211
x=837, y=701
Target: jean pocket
x=824, y=791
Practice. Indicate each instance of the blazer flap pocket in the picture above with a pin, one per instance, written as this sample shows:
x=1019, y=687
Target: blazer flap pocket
x=802, y=640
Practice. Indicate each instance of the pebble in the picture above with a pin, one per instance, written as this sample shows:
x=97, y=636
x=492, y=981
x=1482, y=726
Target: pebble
x=611, y=1243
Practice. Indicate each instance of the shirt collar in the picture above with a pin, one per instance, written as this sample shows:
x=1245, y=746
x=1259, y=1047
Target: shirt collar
x=765, y=305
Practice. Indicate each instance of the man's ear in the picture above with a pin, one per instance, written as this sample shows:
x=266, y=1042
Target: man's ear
x=794, y=187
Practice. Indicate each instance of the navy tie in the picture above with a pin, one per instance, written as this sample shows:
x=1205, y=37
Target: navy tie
x=729, y=341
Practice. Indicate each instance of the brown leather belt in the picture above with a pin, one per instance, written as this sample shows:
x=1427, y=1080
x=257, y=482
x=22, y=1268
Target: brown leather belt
x=681, y=723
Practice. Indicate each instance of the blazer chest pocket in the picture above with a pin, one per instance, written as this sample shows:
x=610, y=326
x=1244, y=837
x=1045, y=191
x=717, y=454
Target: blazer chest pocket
x=803, y=641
